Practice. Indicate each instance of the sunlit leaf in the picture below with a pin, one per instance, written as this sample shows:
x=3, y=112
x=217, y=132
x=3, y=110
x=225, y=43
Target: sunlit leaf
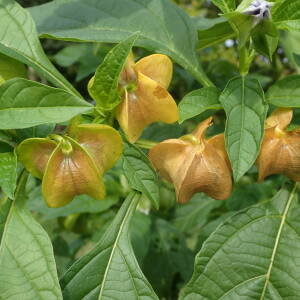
x=253, y=255
x=25, y=46
x=163, y=27
x=244, y=103
x=27, y=263
x=111, y=267
x=25, y=103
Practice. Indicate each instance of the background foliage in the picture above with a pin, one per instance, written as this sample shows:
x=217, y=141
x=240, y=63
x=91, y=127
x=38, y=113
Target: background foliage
x=246, y=246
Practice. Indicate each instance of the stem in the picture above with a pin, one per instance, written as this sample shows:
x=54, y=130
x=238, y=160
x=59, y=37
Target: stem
x=200, y=76
x=145, y=144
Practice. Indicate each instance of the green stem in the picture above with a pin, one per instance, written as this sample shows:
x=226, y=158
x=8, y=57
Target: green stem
x=200, y=76
x=145, y=144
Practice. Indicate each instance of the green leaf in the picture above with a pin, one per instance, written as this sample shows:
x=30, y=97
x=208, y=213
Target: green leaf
x=140, y=174
x=216, y=34
x=27, y=263
x=194, y=214
x=8, y=173
x=104, y=86
x=10, y=68
x=25, y=103
x=225, y=5
x=244, y=103
x=163, y=26
x=265, y=38
x=111, y=267
x=198, y=101
x=25, y=46
x=285, y=92
x=290, y=42
x=286, y=14
x=253, y=255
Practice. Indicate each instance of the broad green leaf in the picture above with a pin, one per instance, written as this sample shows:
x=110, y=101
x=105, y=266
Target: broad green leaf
x=244, y=103
x=265, y=38
x=285, y=92
x=198, y=101
x=253, y=255
x=140, y=174
x=225, y=5
x=290, y=42
x=193, y=215
x=25, y=103
x=216, y=34
x=111, y=267
x=27, y=263
x=163, y=26
x=19, y=40
x=10, y=68
x=104, y=86
x=286, y=14
x=8, y=173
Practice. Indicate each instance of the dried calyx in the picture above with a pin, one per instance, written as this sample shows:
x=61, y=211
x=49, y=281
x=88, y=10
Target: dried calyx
x=280, y=150
x=73, y=164
x=194, y=164
x=145, y=99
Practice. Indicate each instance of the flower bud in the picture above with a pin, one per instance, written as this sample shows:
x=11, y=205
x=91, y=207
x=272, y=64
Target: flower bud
x=280, y=149
x=194, y=164
x=260, y=9
x=72, y=165
x=145, y=99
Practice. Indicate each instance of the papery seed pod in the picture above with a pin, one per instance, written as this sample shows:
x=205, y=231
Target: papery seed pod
x=194, y=164
x=145, y=98
x=72, y=165
x=280, y=149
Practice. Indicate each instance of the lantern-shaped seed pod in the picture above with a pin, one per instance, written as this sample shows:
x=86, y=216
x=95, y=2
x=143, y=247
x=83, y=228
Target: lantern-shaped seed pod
x=194, y=164
x=72, y=165
x=145, y=99
x=280, y=149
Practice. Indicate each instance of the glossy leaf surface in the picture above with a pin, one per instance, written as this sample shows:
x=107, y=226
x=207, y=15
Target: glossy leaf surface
x=286, y=14
x=111, y=266
x=104, y=85
x=140, y=173
x=163, y=27
x=240, y=260
x=27, y=263
x=245, y=107
x=25, y=103
x=198, y=101
x=285, y=92
x=25, y=46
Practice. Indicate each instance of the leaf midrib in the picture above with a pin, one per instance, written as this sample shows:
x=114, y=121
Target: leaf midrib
x=41, y=66
x=280, y=229
x=134, y=202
